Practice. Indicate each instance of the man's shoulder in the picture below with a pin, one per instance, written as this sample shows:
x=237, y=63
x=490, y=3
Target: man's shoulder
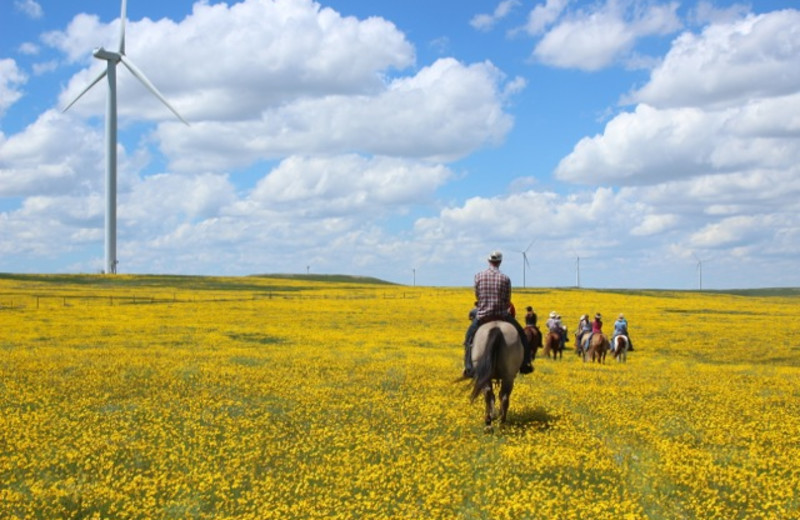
x=497, y=273
x=494, y=276
x=489, y=272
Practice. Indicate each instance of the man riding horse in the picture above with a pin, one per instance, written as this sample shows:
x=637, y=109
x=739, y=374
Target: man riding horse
x=532, y=331
x=493, y=292
x=621, y=329
x=555, y=325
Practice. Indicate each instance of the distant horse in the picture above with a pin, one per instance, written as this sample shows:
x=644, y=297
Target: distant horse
x=598, y=346
x=534, y=336
x=620, y=348
x=552, y=345
x=496, y=355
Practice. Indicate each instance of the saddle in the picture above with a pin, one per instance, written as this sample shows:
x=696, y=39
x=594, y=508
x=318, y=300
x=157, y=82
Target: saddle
x=491, y=317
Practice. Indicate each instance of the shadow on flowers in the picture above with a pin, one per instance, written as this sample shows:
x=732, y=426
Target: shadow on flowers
x=538, y=418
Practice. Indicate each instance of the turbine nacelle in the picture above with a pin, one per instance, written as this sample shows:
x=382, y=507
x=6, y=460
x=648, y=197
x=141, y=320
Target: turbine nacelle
x=103, y=54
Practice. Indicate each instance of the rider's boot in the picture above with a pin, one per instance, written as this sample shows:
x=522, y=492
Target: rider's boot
x=527, y=366
x=469, y=371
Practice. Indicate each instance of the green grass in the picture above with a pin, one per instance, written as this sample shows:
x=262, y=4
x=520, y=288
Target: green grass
x=330, y=278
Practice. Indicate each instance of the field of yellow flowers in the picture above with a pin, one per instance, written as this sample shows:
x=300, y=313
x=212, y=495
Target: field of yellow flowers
x=133, y=397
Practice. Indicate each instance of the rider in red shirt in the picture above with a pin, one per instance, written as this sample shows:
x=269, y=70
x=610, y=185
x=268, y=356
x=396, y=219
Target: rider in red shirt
x=597, y=324
x=597, y=327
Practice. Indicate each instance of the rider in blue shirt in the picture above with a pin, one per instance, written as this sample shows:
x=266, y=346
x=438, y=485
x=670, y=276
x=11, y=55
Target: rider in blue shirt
x=621, y=329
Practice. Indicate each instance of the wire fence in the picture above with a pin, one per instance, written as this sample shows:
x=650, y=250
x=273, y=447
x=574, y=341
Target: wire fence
x=37, y=301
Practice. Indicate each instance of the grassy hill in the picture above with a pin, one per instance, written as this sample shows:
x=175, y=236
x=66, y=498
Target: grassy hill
x=331, y=278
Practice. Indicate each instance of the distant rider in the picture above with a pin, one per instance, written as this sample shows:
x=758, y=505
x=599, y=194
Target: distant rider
x=621, y=329
x=530, y=321
x=531, y=318
x=584, y=328
x=563, y=332
x=555, y=325
x=597, y=328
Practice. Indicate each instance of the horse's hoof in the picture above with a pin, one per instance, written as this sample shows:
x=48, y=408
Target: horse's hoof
x=488, y=429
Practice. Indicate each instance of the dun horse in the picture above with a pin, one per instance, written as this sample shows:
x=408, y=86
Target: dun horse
x=620, y=348
x=496, y=355
x=598, y=346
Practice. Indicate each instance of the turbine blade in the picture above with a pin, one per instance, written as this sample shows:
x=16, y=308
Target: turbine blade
x=84, y=91
x=122, y=27
x=141, y=77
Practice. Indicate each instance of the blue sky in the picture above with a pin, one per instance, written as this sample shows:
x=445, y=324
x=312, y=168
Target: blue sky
x=653, y=144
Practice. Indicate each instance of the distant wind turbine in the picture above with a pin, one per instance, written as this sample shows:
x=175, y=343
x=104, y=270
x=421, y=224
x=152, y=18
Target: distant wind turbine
x=525, y=263
x=577, y=269
x=112, y=59
x=699, y=269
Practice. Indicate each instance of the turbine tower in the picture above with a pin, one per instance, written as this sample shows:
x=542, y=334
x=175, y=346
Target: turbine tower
x=112, y=58
x=699, y=269
x=525, y=263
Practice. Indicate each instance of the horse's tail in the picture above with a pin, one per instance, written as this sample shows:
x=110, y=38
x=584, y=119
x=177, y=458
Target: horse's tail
x=487, y=362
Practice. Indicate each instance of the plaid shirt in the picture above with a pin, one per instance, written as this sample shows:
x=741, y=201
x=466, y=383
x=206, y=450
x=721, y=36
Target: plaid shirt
x=493, y=292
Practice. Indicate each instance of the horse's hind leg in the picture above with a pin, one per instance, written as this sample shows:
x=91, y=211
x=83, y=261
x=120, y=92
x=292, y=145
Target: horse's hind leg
x=505, y=400
x=488, y=395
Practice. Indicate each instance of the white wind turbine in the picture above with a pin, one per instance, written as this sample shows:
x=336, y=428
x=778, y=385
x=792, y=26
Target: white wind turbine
x=525, y=263
x=112, y=59
x=577, y=269
x=699, y=269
